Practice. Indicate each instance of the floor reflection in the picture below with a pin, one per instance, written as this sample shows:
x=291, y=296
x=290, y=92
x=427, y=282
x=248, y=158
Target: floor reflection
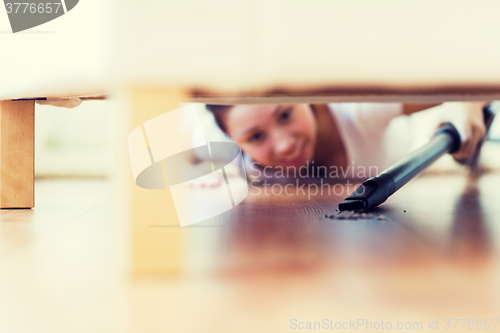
x=470, y=236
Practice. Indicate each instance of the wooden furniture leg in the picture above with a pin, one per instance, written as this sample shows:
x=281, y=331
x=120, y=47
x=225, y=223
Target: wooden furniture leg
x=17, y=152
x=156, y=233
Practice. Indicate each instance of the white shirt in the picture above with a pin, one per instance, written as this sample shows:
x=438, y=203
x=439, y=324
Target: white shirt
x=373, y=134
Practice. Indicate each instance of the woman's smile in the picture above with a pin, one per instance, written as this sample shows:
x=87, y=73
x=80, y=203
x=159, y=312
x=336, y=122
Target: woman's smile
x=298, y=156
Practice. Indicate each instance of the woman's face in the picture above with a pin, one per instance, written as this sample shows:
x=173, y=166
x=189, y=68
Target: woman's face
x=274, y=135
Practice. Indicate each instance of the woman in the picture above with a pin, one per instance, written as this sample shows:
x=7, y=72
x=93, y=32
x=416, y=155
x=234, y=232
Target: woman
x=341, y=134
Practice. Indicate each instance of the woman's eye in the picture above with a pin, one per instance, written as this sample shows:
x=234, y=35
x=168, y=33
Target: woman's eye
x=255, y=137
x=286, y=114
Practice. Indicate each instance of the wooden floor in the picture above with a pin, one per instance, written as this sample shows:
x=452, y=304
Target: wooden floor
x=271, y=263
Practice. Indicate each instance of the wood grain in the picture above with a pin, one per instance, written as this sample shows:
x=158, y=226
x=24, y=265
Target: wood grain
x=345, y=93
x=17, y=152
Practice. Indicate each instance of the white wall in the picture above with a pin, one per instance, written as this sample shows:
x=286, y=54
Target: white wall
x=75, y=142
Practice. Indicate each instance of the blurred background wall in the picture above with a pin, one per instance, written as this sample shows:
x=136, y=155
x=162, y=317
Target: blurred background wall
x=75, y=142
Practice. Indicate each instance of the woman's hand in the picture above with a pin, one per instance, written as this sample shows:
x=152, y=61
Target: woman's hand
x=69, y=102
x=467, y=117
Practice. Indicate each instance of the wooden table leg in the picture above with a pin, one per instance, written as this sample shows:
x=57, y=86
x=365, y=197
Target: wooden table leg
x=156, y=250
x=17, y=152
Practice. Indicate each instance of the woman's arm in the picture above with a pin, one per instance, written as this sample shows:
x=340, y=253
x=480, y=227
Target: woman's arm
x=467, y=117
